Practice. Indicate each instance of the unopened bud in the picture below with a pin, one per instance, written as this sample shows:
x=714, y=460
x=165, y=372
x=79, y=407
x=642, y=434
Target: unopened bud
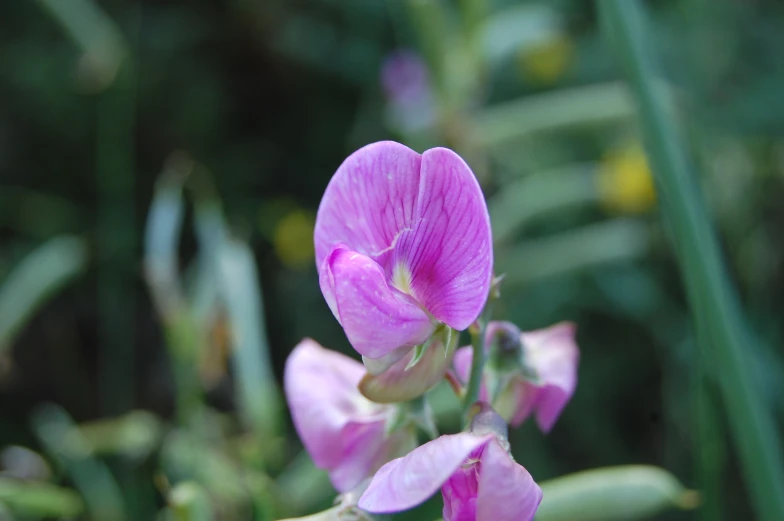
x=487, y=421
x=504, y=345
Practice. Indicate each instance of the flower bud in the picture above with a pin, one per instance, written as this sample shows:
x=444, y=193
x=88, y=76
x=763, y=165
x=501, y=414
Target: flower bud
x=527, y=373
x=487, y=421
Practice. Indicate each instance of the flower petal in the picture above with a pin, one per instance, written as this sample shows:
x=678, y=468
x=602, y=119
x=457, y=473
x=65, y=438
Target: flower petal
x=521, y=398
x=377, y=366
x=507, y=492
x=462, y=361
x=554, y=354
x=448, y=250
x=398, y=384
x=363, y=446
x=320, y=387
x=459, y=494
x=370, y=199
x=406, y=482
x=377, y=319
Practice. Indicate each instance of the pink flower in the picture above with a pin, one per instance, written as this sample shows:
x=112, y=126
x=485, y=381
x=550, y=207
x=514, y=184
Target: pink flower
x=408, y=89
x=545, y=379
x=403, y=244
x=478, y=478
x=405, y=78
x=342, y=430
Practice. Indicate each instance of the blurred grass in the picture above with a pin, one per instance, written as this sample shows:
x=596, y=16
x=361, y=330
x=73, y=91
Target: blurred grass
x=720, y=326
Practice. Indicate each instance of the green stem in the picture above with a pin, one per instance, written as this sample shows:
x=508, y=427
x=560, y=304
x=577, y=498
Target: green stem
x=721, y=332
x=479, y=358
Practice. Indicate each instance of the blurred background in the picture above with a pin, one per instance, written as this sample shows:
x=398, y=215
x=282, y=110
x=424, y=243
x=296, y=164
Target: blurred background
x=161, y=164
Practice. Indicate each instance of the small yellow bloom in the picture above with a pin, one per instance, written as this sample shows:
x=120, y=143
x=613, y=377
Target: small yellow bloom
x=293, y=239
x=547, y=61
x=625, y=182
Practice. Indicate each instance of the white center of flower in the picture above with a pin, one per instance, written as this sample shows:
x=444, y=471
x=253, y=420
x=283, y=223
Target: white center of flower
x=401, y=278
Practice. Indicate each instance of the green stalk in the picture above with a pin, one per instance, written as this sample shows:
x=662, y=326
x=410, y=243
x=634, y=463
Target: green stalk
x=721, y=332
x=479, y=358
x=116, y=234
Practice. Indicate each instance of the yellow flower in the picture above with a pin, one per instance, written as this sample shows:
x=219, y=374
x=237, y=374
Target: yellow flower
x=625, y=183
x=293, y=239
x=547, y=61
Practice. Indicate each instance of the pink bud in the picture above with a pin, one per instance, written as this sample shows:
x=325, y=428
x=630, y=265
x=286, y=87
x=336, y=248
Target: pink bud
x=545, y=380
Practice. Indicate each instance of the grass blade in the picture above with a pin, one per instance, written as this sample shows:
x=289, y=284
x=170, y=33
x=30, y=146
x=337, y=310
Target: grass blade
x=721, y=331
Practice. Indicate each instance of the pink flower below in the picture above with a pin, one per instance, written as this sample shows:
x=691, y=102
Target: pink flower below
x=478, y=478
x=342, y=430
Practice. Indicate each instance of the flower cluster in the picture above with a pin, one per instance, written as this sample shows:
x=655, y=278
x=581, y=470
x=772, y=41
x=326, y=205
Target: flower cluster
x=404, y=252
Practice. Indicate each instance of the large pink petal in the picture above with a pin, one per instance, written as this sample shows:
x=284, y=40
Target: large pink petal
x=321, y=389
x=448, y=251
x=363, y=444
x=370, y=199
x=406, y=482
x=554, y=354
x=507, y=492
x=377, y=319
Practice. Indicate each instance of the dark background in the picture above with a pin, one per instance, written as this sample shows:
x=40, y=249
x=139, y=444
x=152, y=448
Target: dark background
x=267, y=97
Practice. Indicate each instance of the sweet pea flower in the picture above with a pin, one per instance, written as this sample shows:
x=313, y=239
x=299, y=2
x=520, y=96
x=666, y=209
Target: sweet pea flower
x=541, y=380
x=403, y=246
x=479, y=479
x=343, y=431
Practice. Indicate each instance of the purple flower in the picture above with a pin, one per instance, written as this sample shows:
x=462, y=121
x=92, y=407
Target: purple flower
x=342, y=430
x=405, y=78
x=403, y=244
x=408, y=89
x=546, y=379
x=478, y=478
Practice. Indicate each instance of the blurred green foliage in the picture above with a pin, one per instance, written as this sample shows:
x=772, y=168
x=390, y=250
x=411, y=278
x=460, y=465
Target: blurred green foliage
x=161, y=164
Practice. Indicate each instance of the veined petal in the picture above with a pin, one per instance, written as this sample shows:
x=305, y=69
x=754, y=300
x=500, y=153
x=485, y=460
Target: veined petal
x=507, y=492
x=460, y=492
x=398, y=384
x=370, y=199
x=377, y=319
x=448, y=250
x=553, y=353
x=406, y=482
x=363, y=445
x=321, y=389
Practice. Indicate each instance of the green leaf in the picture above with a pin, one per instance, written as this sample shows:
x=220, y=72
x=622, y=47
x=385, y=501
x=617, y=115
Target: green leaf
x=65, y=443
x=510, y=121
x=613, y=494
x=419, y=350
x=724, y=339
x=241, y=293
x=37, y=277
x=188, y=501
x=573, y=250
x=29, y=498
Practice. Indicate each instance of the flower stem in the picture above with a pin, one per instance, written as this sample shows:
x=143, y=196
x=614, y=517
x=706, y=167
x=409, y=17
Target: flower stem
x=722, y=333
x=479, y=358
